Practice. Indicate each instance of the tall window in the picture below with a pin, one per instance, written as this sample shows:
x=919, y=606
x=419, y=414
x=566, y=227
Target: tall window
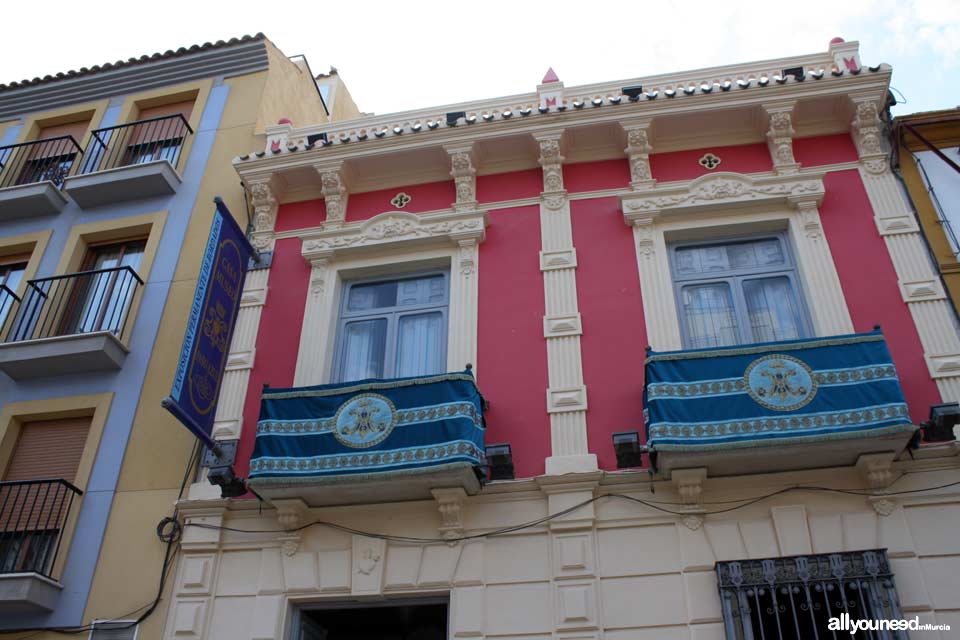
x=738, y=292
x=107, y=290
x=11, y=274
x=393, y=328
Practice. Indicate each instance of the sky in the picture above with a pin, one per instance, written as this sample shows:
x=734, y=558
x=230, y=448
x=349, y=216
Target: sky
x=397, y=56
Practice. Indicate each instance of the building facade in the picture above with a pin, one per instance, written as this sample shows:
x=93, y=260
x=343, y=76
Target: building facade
x=927, y=160
x=723, y=254
x=107, y=180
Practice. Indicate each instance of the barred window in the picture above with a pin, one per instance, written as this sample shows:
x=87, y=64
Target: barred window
x=794, y=598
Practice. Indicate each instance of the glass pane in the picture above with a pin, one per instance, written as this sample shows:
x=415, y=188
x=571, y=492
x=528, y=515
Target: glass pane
x=709, y=315
x=364, y=348
x=11, y=275
x=108, y=295
x=721, y=258
x=420, y=349
x=372, y=296
x=770, y=253
x=421, y=291
x=772, y=308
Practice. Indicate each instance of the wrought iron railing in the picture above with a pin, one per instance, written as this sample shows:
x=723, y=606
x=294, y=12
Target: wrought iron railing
x=795, y=597
x=9, y=305
x=75, y=303
x=137, y=142
x=38, y=161
x=32, y=518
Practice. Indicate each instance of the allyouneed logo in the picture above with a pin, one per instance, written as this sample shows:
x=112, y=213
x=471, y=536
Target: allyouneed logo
x=845, y=623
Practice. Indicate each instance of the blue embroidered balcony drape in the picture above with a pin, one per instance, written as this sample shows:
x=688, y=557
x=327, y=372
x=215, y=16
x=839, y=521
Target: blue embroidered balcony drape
x=773, y=393
x=371, y=428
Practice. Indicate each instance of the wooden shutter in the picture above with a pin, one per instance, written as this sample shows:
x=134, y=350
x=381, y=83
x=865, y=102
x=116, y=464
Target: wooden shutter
x=163, y=129
x=48, y=449
x=61, y=147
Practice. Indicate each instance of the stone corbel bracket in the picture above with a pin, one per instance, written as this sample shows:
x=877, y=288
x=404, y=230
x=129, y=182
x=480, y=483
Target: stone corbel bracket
x=265, y=192
x=291, y=515
x=450, y=504
x=393, y=228
x=718, y=191
x=689, y=485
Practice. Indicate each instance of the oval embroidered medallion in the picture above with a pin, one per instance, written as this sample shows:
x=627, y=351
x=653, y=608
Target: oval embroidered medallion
x=779, y=382
x=364, y=420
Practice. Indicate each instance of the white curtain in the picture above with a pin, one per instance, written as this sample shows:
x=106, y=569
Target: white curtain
x=772, y=309
x=710, y=316
x=363, y=349
x=419, y=345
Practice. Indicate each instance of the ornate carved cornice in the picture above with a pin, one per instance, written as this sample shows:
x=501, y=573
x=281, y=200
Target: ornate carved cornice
x=464, y=177
x=460, y=228
x=780, y=138
x=719, y=191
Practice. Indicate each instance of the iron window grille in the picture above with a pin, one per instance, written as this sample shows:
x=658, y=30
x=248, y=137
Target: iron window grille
x=794, y=597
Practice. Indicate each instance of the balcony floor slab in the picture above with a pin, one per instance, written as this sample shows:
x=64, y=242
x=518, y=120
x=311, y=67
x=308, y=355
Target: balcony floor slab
x=27, y=593
x=61, y=355
x=132, y=182
x=31, y=200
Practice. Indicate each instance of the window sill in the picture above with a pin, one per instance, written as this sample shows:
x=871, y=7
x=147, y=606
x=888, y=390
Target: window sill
x=22, y=593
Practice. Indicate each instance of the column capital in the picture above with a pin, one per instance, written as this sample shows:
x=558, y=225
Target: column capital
x=638, y=153
x=780, y=135
x=464, y=176
x=334, y=190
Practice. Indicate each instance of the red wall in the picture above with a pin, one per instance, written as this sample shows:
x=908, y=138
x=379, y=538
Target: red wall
x=512, y=352
x=685, y=165
x=509, y=186
x=593, y=176
x=278, y=338
x=821, y=150
x=870, y=286
x=424, y=197
x=301, y=215
x=614, y=333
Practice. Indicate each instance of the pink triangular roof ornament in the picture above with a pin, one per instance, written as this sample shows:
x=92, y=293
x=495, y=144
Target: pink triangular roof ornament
x=551, y=76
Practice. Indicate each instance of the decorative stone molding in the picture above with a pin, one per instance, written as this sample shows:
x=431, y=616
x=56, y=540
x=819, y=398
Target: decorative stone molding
x=943, y=365
x=689, y=484
x=392, y=227
x=876, y=469
x=810, y=219
x=450, y=505
x=868, y=136
x=566, y=400
x=562, y=259
x=643, y=234
x=921, y=290
x=265, y=205
x=334, y=192
x=719, y=190
x=464, y=177
x=638, y=153
x=780, y=138
x=390, y=238
x=882, y=505
x=367, y=565
x=692, y=522
x=291, y=514
x=556, y=326
x=551, y=160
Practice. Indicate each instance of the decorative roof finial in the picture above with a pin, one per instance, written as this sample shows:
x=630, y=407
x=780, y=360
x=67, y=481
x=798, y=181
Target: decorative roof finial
x=551, y=76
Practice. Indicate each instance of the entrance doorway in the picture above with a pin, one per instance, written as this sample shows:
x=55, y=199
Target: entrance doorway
x=407, y=620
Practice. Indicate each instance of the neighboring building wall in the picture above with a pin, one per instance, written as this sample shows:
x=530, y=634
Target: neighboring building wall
x=940, y=221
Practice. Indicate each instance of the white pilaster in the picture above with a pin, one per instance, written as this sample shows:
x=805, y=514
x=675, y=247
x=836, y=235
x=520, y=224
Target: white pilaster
x=918, y=280
x=567, y=395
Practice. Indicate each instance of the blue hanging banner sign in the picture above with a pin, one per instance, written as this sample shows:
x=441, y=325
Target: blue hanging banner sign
x=203, y=357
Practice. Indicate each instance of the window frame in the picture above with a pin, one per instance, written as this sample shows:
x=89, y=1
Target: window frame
x=735, y=279
x=393, y=315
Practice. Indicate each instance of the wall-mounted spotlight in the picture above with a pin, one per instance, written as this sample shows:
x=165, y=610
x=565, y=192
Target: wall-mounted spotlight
x=380, y=133
x=689, y=90
x=763, y=81
x=543, y=109
x=577, y=104
x=652, y=95
x=526, y=111
x=726, y=85
x=487, y=117
x=397, y=131
x=431, y=124
x=597, y=102
x=626, y=444
x=796, y=72
x=836, y=72
x=500, y=461
x=416, y=126
x=633, y=92
x=669, y=93
x=743, y=84
x=615, y=99
x=943, y=417
x=817, y=74
x=471, y=119
x=362, y=135
x=312, y=139
x=506, y=114
x=344, y=138
x=780, y=79
x=453, y=116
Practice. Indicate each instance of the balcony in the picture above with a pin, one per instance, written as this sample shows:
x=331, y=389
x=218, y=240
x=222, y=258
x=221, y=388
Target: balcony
x=31, y=174
x=68, y=324
x=33, y=517
x=775, y=406
x=369, y=441
x=130, y=161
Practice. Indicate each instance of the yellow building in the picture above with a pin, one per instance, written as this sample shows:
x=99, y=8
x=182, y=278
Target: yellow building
x=107, y=180
x=928, y=150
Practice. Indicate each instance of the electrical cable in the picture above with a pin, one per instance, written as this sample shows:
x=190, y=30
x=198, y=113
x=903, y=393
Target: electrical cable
x=743, y=503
